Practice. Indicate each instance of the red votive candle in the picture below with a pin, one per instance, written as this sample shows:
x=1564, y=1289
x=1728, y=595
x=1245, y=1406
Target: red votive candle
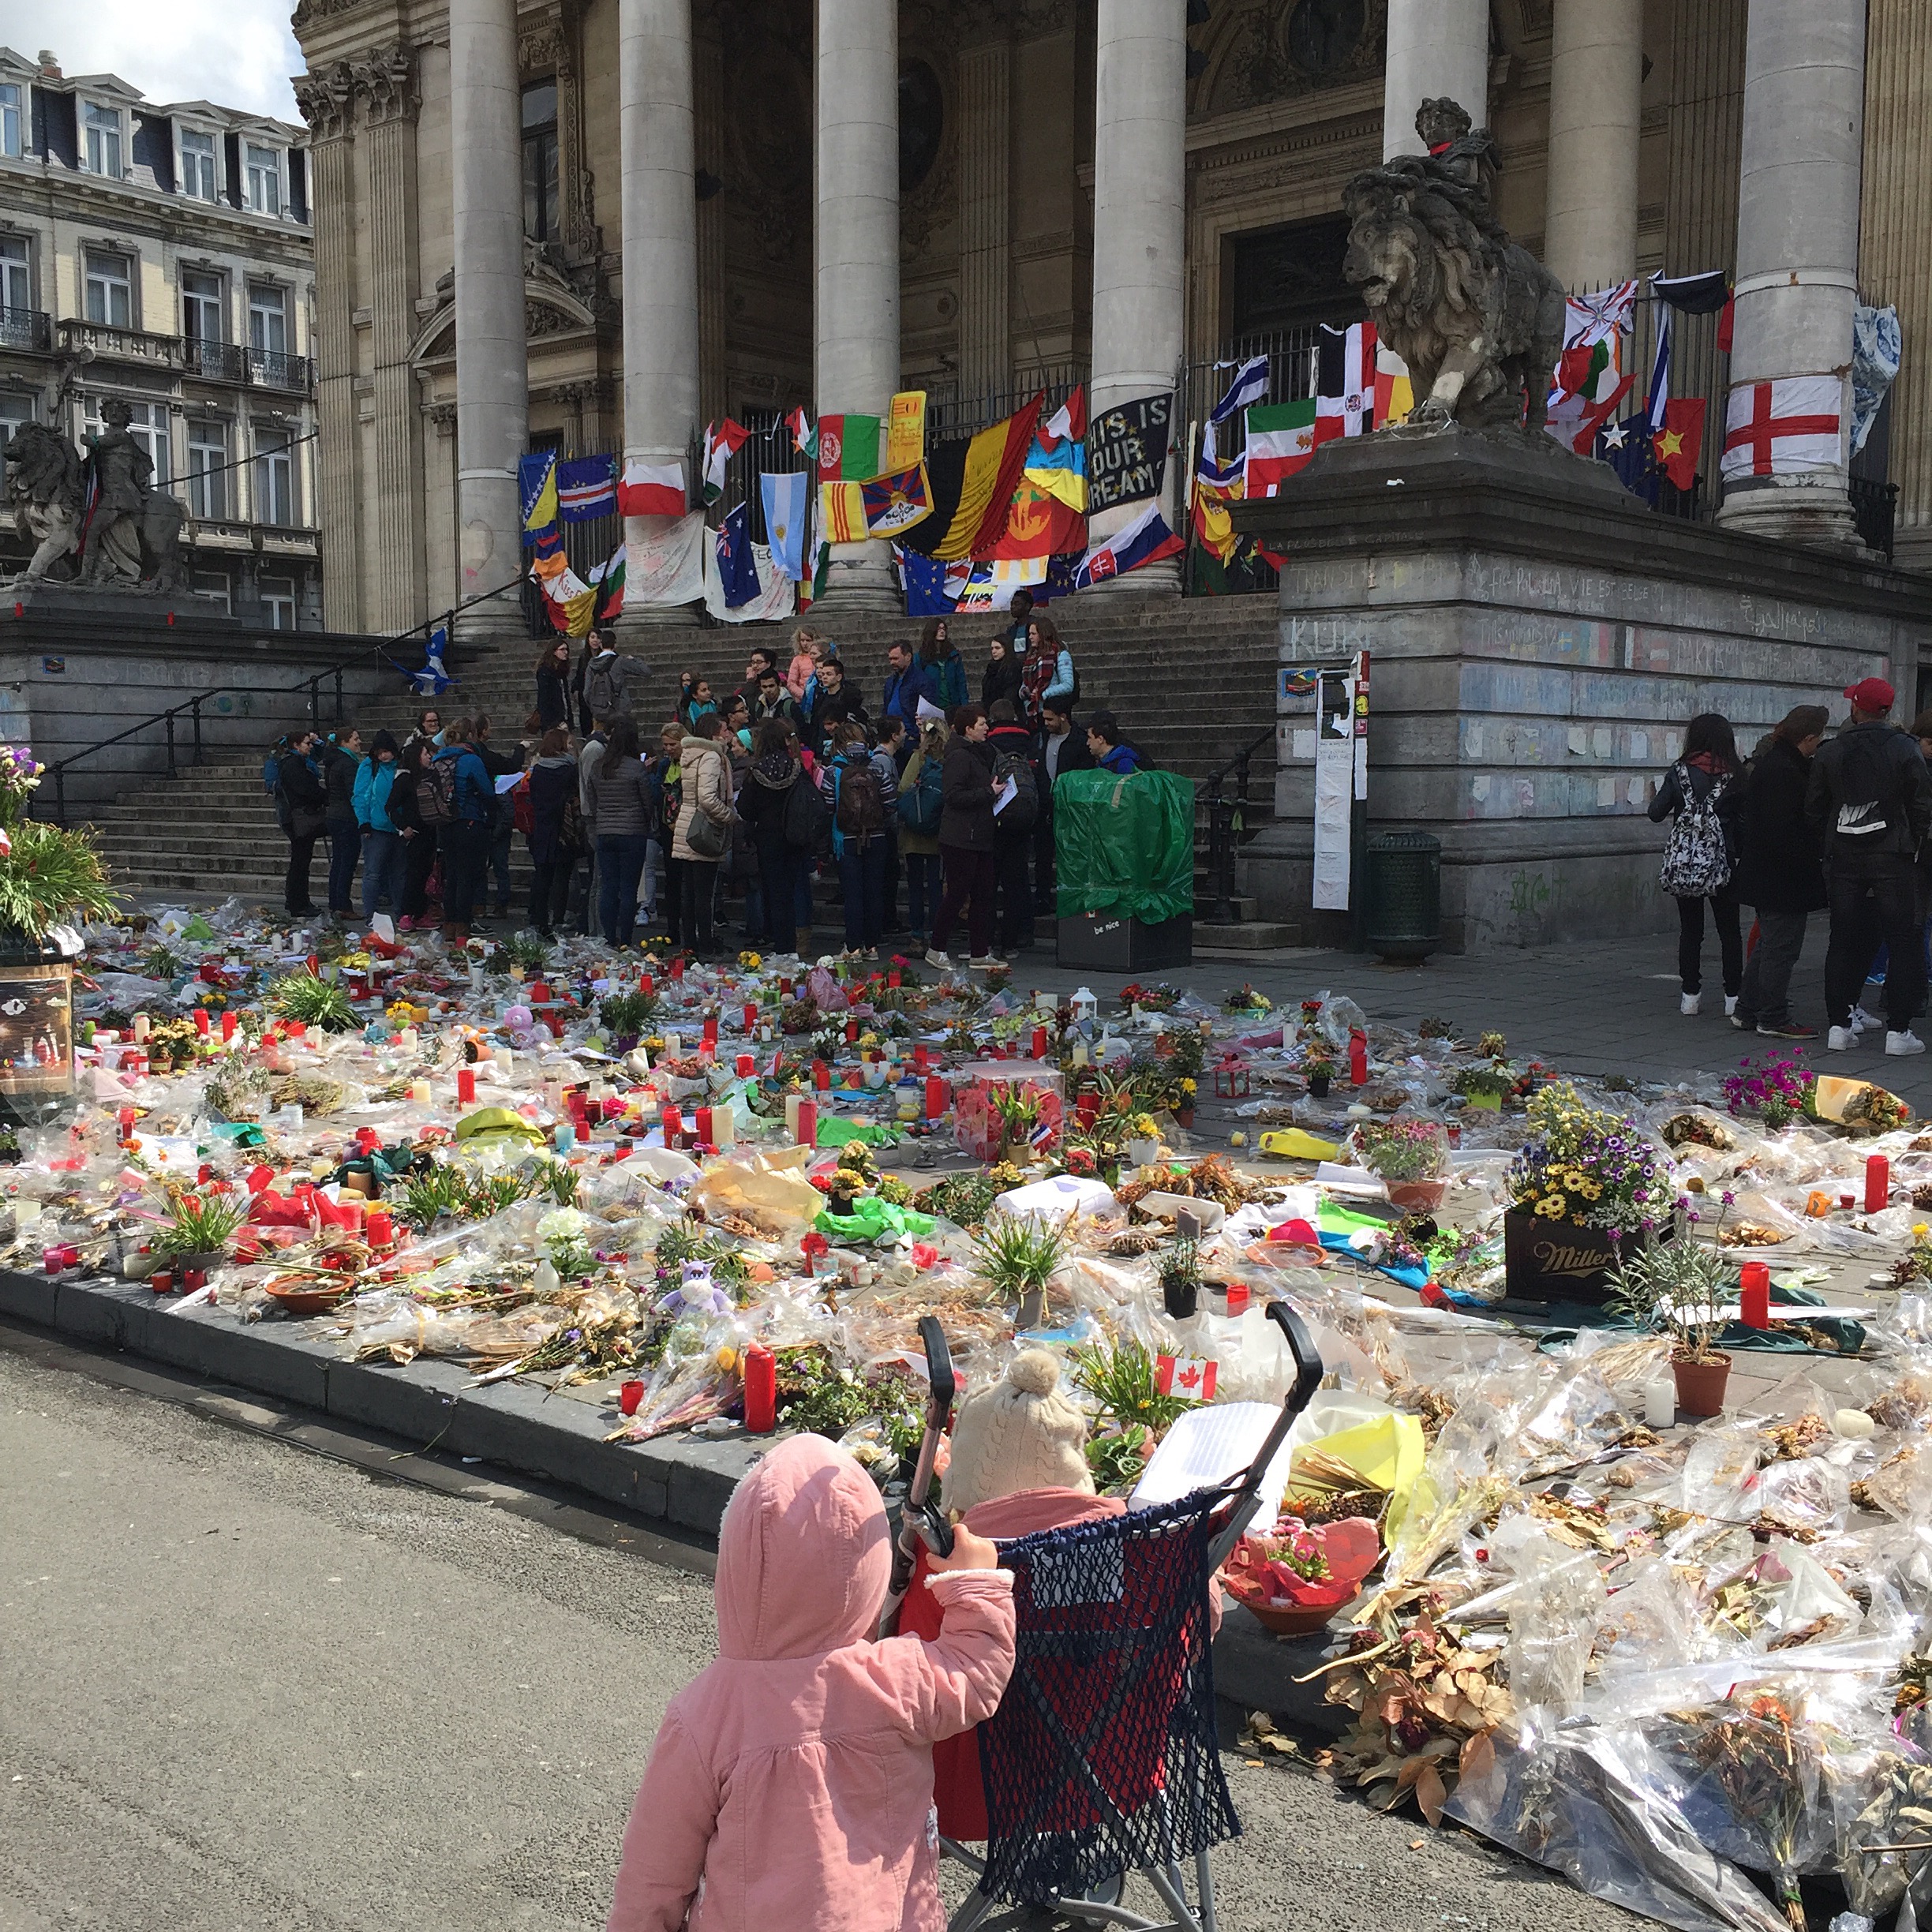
x=673, y=1123
x=1358, y=1059
x=747, y=1065
x=1754, y=1293
x=228, y=1026
x=380, y=1229
x=677, y=969
x=540, y=993
x=822, y=1077
x=1878, y=1182
x=808, y=1123
x=935, y=1096
x=761, y=1390
x=851, y=1032
x=201, y=1021
x=466, y=1086
x=895, y=978
x=701, y=1124
x=750, y=1017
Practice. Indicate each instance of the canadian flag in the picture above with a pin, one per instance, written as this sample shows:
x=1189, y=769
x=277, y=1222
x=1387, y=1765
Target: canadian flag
x=1184, y=1375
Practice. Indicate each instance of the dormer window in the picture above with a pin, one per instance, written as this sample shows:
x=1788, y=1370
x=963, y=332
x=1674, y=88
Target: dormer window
x=198, y=174
x=10, y=95
x=265, y=179
x=103, y=125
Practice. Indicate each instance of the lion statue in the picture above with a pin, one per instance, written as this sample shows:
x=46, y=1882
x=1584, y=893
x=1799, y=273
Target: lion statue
x=1478, y=320
x=44, y=485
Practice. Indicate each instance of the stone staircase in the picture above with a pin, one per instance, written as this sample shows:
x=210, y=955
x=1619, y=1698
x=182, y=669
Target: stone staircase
x=1191, y=681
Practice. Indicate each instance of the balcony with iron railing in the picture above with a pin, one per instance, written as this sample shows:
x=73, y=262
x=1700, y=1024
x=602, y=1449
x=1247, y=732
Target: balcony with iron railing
x=214, y=361
x=196, y=356
x=30, y=329
x=269, y=368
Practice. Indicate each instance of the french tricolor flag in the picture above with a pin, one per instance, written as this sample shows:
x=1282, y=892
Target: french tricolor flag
x=652, y=489
x=1146, y=540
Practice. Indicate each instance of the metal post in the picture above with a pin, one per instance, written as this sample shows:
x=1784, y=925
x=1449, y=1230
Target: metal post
x=171, y=743
x=60, y=793
x=338, y=698
x=1220, y=851
x=197, y=709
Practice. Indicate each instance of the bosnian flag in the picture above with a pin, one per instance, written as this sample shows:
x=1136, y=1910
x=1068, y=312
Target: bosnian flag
x=1185, y=1374
x=652, y=489
x=721, y=444
x=1281, y=439
x=1146, y=540
x=1345, y=385
x=587, y=488
x=1250, y=385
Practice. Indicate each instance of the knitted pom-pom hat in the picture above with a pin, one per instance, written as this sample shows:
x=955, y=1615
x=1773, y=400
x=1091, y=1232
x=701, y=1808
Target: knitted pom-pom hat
x=1022, y=1433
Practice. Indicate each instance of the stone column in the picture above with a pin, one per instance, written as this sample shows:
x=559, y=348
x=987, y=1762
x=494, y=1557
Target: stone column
x=659, y=198
x=1435, y=47
x=327, y=100
x=983, y=89
x=1589, y=236
x=1140, y=245
x=856, y=251
x=1895, y=255
x=1798, y=241
x=709, y=76
x=492, y=372
x=387, y=82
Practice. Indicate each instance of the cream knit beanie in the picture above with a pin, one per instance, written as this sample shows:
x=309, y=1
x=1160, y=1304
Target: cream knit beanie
x=1022, y=1433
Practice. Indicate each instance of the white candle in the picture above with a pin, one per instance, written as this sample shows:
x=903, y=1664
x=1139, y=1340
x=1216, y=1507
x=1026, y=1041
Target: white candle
x=1660, y=1403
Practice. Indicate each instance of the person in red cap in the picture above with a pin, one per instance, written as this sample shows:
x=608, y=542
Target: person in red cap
x=1870, y=802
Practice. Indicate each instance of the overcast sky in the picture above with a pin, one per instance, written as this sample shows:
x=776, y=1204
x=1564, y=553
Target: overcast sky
x=235, y=53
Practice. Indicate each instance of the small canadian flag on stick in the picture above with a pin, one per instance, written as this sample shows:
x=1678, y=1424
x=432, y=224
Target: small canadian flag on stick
x=1184, y=1375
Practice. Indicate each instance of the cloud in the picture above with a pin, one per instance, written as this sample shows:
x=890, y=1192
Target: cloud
x=238, y=55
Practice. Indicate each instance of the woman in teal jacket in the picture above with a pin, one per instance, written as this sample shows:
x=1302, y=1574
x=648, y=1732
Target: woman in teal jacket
x=382, y=841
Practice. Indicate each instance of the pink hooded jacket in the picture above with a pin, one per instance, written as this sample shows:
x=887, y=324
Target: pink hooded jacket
x=791, y=1782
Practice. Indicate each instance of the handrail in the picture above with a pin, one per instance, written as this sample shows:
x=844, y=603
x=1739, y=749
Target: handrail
x=312, y=685
x=1227, y=821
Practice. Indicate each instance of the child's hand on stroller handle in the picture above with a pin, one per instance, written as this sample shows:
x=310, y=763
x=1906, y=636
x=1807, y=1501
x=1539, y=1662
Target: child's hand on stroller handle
x=969, y=1552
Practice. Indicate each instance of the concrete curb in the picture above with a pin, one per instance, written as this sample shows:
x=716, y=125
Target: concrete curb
x=680, y=1480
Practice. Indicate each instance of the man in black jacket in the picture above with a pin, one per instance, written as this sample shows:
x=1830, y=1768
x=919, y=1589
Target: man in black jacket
x=1778, y=871
x=1063, y=748
x=836, y=700
x=1870, y=801
x=300, y=786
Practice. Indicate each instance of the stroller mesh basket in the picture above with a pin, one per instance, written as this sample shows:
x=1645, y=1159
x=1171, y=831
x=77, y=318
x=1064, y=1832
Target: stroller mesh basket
x=1103, y=1755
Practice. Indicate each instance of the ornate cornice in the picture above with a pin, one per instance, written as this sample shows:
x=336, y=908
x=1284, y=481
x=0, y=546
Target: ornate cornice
x=326, y=97
x=387, y=82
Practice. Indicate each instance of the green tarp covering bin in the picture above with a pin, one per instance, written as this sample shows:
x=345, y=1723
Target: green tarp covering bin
x=1124, y=866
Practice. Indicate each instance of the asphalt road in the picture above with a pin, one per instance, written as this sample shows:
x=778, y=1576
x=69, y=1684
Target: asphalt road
x=244, y=1687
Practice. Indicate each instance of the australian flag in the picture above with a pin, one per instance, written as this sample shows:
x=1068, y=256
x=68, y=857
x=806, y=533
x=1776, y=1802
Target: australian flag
x=737, y=572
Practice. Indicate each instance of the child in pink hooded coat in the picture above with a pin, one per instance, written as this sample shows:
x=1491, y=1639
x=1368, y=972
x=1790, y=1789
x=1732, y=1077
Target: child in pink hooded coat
x=791, y=1782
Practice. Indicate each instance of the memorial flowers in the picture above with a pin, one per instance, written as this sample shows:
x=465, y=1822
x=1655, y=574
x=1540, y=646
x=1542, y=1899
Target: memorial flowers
x=1777, y=1088
x=47, y=874
x=1588, y=1167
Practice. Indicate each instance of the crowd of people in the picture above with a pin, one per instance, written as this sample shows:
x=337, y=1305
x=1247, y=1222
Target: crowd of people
x=932, y=814
x=1842, y=825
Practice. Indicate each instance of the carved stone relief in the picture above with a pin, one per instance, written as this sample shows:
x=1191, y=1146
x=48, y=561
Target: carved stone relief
x=1273, y=49
x=326, y=98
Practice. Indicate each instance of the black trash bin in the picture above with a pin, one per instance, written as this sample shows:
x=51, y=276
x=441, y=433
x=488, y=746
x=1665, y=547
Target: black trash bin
x=1403, y=891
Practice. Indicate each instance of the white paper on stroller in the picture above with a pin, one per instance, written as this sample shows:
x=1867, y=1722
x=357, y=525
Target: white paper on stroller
x=1211, y=1445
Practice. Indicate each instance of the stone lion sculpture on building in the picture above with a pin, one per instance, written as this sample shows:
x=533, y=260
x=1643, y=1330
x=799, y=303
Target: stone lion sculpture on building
x=44, y=485
x=1478, y=320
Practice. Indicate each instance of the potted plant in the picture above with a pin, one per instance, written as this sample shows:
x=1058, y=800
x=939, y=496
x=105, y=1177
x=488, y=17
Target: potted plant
x=1144, y=1143
x=1680, y=1287
x=1587, y=1189
x=1179, y=1270
x=313, y=1001
x=627, y=1015
x=1016, y=1255
x=200, y=1225
x=1318, y=1065
x=1777, y=1089
x=1408, y=1154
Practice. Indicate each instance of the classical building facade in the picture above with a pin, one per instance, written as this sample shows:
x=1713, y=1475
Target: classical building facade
x=162, y=254
x=597, y=224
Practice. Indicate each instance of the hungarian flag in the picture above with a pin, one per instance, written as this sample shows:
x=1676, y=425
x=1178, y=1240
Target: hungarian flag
x=1281, y=439
x=587, y=488
x=1185, y=1374
x=1783, y=428
x=848, y=448
x=1146, y=540
x=607, y=579
x=1057, y=461
x=652, y=489
x=1678, y=443
x=1345, y=385
x=721, y=444
x=1039, y=524
x=972, y=479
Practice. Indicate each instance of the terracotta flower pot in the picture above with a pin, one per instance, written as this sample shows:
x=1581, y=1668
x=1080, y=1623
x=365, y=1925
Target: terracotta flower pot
x=1184, y=1116
x=1700, y=1384
x=1416, y=1196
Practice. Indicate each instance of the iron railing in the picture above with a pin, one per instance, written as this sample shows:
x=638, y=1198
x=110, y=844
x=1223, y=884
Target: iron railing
x=272, y=369
x=29, y=329
x=1227, y=819
x=193, y=355
x=1875, y=509
x=214, y=361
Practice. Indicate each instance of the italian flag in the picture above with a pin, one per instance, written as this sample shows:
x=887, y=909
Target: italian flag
x=651, y=489
x=1281, y=439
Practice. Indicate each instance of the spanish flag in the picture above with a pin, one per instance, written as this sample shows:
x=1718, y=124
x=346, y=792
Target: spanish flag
x=972, y=481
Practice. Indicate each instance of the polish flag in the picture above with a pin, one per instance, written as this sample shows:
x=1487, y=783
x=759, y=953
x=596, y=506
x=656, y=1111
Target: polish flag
x=1185, y=1374
x=651, y=489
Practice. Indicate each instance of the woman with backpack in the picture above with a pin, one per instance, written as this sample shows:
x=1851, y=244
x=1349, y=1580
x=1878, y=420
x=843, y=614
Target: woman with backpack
x=455, y=794
x=1012, y=745
x=862, y=799
x=1700, y=794
x=966, y=840
x=764, y=804
x=555, y=834
x=921, y=802
x=417, y=835
x=622, y=807
x=299, y=788
x=699, y=848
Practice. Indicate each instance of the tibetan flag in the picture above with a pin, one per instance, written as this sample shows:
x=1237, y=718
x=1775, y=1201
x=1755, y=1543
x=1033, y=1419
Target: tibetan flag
x=586, y=487
x=894, y=502
x=607, y=581
x=841, y=513
x=1039, y=525
x=1785, y=428
x=536, y=490
x=804, y=437
x=972, y=481
x=1680, y=441
x=1057, y=458
x=652, y=489
x=721, y=444
x=1250, y=386
x=905, y=432
x=736, y=566
x=1394, y=392
x=785, y=494
x=1146, y=540
x=848, y=449
x=1346, y=390
x=1215, y=488
x=1281, y=439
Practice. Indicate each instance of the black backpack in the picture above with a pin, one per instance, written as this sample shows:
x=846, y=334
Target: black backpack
x=861, y=813
x=435, y=792
x=807, y=818
x=1022, y=814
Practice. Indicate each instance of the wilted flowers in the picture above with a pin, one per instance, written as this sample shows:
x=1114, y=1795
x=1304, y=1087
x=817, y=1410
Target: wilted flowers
x=1588, y=1167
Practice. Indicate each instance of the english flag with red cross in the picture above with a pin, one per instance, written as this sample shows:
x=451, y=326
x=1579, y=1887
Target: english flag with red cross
x=1783, y=428
x=1185, y=1374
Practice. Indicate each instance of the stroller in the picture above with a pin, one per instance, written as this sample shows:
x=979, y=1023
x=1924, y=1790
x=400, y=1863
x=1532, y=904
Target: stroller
x=1102, y=1758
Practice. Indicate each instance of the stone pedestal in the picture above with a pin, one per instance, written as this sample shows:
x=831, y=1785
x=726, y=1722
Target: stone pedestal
x=1538, y=640
x=1590, y=237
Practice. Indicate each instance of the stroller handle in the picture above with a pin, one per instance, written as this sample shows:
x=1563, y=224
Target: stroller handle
x=1245, y=1496
x=1308, y=1358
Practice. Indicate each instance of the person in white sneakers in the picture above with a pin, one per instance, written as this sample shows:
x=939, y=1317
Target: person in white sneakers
x=1700, y=794
x=1870, y=802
